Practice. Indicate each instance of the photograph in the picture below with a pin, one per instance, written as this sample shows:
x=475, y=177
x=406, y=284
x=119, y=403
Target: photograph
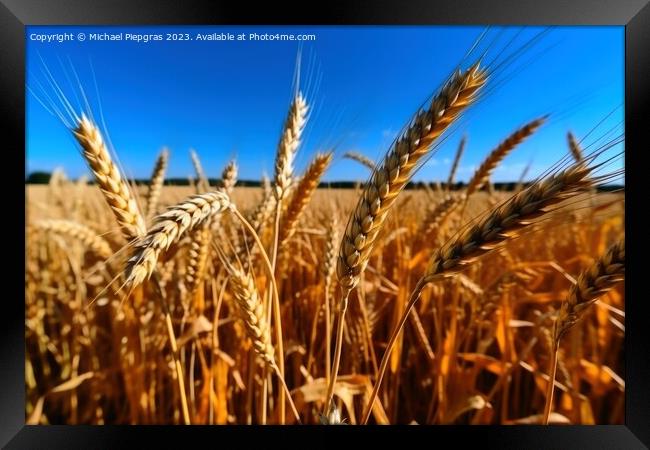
x=325, y=225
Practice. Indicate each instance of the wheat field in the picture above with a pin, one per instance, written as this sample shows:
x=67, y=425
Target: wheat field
x=389, y=303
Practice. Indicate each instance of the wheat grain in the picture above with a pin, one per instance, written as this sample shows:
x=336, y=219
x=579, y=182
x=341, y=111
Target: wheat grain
x=482, y=174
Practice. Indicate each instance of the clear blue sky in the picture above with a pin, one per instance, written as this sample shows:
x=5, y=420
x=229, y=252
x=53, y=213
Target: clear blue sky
x=229, y=99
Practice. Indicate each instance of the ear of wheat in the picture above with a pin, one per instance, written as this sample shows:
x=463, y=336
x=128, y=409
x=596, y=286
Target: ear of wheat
x=504, y=222
x=202, y=181
x=302, y=195
x=438, y=215
x=289, y=143
x=387, y=181
x=80, y=232
x=262, y=212
x=396, y=170
x=329, y=262
x=259, y=217
x=362, y=159
x=576, y=151
x=116, y=191
x=592, y=283
x=155, y=186
x=484, y=171
x=251, y=310
x=198, y=259
x=168, y=228
x=500, y=225
x=229, y=177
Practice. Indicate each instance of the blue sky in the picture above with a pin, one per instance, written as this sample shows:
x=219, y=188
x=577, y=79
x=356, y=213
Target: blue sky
x=229, y=99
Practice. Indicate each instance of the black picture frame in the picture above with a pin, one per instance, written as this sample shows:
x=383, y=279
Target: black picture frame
x=633, y=14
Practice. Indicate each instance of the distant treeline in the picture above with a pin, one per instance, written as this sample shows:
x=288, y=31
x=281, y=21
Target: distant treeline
x=44, y=178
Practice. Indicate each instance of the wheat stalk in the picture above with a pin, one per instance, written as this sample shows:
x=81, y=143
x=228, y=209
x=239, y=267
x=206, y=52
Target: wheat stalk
x=155, y=186
x=116, y=191
x=287, y=148
x=329, y=268
x=484, y=171
x=124, y=206
x=388, y=181
x=591, y=284
x=500, y=225
x=454, y=166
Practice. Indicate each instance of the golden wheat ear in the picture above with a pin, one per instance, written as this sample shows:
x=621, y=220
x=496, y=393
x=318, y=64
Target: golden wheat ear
x=386, y=183
x=485, y=235
x=504, y=222
x=169, y=227
x=156, y=184
x=88, y=237
x=482, y=174
x=574, y=147
x=592, y=283
x=116, y=191
x=361, y=159
x=229, y=177
x=289, y=143
x=202, y=183
x=397, y=168
x=302, y=195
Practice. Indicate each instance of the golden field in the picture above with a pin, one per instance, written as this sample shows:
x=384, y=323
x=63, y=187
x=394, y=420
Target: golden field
x=476, y=348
